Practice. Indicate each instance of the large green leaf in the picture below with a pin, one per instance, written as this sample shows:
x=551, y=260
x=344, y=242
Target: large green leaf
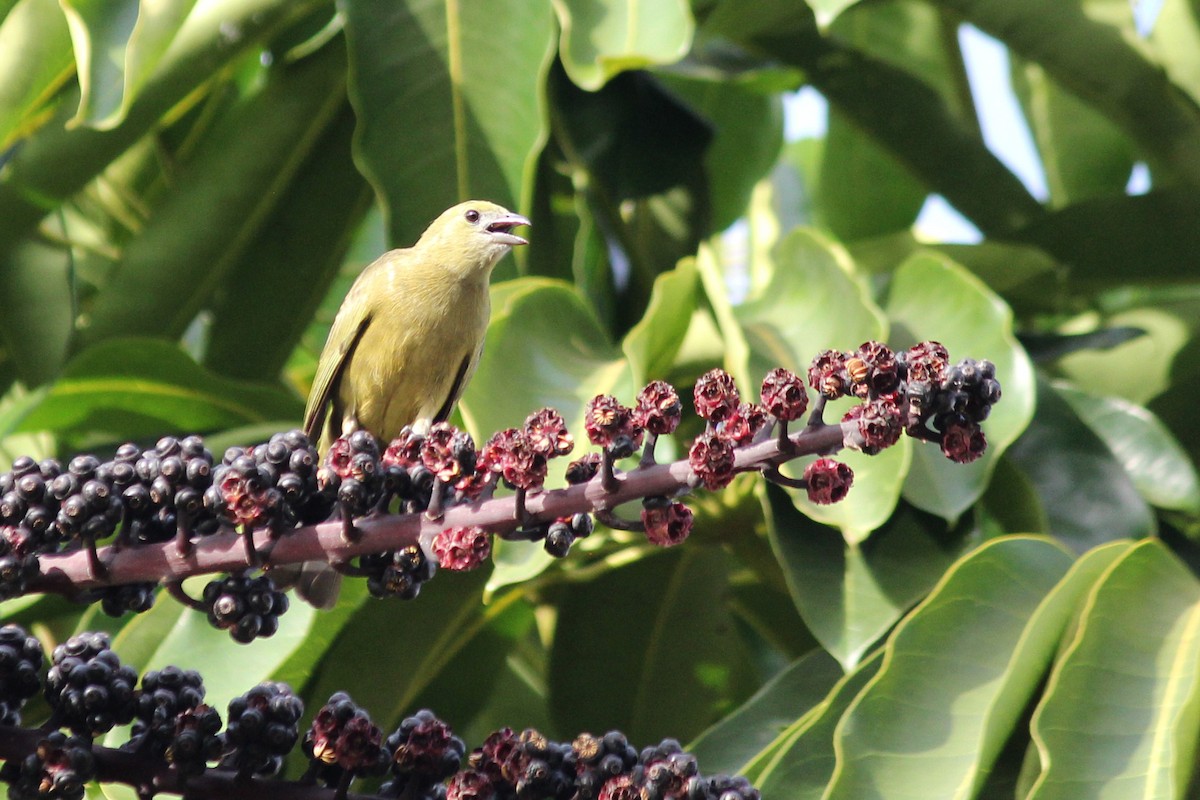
x=971, y=322
x=1086, y=493
x=653, y=342
x=35, y=60
x=864, y=190
x=448, y=110
x=739, y=740
x=231, y=184
x=1075, y=49
x=148, y=387
x=747, y=137
x=117, y=46
x=850, y=595
x=662, y=626
x=1121, y=711
x=1159, y=468
x=37, y=304
x=1082, y=152
x=58, y=161
x=270, y=296
x=603, y=37
x=803, y=761
x=957, y=674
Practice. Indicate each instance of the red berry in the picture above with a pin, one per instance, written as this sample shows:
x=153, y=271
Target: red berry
x=462, y=548
x=828, y=481
x=716, y=395
x=747, y=420
x=828, y=374
x=712, y=459
x=658, y=409
x=963, y=442
x=605, y=419
x=926, y=362
x=783, y=395
x=547, y=433
x=667, y=525
x=510, y=453
x=878, y=424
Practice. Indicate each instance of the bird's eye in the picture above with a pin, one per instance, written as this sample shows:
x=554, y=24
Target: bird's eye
x=472, y=216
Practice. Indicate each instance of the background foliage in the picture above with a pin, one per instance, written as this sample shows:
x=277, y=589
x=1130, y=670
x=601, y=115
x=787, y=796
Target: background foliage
x=188, y=186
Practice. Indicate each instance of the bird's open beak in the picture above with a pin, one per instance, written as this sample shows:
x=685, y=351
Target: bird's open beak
x=501, y=229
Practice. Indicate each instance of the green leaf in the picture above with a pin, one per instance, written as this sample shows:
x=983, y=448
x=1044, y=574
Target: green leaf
x=803, y=762
x=1121, y=710
x=153, y=387
x=35, y=60
x=37, y=307
x=1159, y=468
x=747, y=138
x=1088, y=496
x=270, y=295
x=1074, y=48
x=117, y=47
x=1104, y=238
x=957, y=674
x=1083, y=153
x=850, y=595
x=601, y=38
x=973, y=322
x=230, y=184
x=659, y=623
x=739, y=740
x=58, y=161
x=447, y=109
x=651, y=345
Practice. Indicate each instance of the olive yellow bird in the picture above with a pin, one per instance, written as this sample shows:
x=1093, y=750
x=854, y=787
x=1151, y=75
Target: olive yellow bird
x=407, y=339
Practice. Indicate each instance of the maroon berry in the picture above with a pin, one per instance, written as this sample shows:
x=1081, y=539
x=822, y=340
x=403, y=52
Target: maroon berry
x=547, y=433
x=669, y=525
x=926, y=362
x=716, y=395
x=448, y=452
x=873, y=369
x=339, y=455
x=510, y=453
x=605, y=419
x=658, y=409
x=712, y=459
x=462, y=548
x=470, y=785
x=783, y=395
x=828, y=481
x=747, y=420
x=405, y=450
x=620, y=787
x=963, y=442
x=876, y=424
x=828, y=375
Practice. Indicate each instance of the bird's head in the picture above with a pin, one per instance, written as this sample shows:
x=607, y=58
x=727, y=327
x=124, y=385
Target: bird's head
x=476, y=233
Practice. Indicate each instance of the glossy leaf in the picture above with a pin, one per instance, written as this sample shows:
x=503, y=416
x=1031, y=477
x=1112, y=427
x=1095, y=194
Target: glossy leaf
x=231, y=184
x=956, y=674
x=803, y=761
x=651, y=345
x=153, y=388
x=661, y=625
x=971, y=322
x=37, y=305
x=430, y=78
x=1088, y=496
x=601, y=38
x=1133, y=669
x=1074, y=48
x=739, y=739
x=293, y=259
x=35, y=60
x=747, y=137
x=1159, y=468
x=117, y=46
x=850, y=595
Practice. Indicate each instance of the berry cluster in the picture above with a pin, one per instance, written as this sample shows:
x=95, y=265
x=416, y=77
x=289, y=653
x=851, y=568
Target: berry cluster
x=177, y=490
x=176, y=737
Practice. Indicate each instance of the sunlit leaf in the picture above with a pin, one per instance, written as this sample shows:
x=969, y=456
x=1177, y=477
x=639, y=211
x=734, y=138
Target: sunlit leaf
x=35, y=60
x=603, y=37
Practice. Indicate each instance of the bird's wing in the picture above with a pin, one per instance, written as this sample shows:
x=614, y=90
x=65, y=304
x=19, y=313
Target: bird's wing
x=456, y=388
x=344, y=336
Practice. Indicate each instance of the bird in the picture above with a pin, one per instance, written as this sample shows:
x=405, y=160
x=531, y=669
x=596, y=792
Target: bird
x=406, y=341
